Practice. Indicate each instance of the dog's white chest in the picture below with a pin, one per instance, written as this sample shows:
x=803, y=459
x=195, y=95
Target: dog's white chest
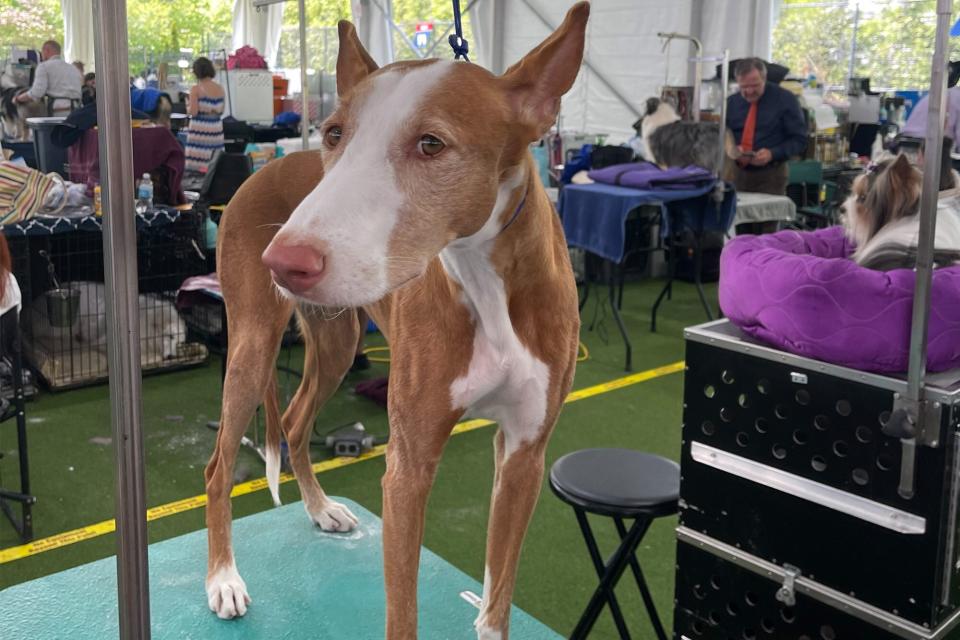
x=504, y=381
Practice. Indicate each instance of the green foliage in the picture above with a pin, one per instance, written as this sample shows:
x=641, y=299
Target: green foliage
x=29, y=22
x=894, y=41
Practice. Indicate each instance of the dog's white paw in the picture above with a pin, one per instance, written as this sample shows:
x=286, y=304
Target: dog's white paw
x=487, y=633
x=334, y=516
x=227, y=593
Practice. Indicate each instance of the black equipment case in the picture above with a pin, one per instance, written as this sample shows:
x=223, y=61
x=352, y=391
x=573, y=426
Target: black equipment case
x=793, y=523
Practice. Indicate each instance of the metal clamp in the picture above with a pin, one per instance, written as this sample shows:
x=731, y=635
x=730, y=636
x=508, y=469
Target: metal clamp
x=915, y=423
x=787, y=592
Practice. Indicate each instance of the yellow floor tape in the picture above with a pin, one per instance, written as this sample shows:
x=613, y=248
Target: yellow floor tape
x=109, y=526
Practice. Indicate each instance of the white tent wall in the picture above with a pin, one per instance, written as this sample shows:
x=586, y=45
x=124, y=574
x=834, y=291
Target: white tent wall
x=78, y=32
x=372, y=20
x=258, y=28
x=622, y=49
x=742, y=26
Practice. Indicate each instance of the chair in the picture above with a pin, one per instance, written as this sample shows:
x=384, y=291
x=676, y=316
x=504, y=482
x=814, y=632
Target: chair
x=226, y=173
x=621, y=484
x=14, y=409
x=805, y=186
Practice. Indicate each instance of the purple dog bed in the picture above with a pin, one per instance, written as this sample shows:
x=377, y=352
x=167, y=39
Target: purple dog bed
x=801, y=293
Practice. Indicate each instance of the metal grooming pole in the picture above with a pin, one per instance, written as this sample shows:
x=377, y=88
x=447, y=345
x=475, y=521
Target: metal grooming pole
x=304, y=95
x=123, y=344
x=698, y=70
x=914, y=419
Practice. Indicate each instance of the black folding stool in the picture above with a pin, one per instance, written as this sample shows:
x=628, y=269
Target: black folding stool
x=621, y=484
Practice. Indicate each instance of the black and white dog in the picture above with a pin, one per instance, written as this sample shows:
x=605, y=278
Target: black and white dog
x=671, y=142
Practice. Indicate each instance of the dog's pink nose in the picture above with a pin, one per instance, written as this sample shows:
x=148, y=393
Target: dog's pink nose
x=297, y=268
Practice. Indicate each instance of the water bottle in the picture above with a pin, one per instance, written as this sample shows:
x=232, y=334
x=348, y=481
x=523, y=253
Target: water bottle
x=144, y=194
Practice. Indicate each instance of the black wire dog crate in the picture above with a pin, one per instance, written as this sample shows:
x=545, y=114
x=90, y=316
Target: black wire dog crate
x=59, y=265
x=793, y=520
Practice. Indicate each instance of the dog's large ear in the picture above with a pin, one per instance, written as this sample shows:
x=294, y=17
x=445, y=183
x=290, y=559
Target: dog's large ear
x=536, y=83
x=353, y=62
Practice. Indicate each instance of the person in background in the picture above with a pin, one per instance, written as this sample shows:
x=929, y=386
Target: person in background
x=88, y=92
x=205, y=134
x=768, y=128
x=916, y=125
x=56, y=79
x=79, y=65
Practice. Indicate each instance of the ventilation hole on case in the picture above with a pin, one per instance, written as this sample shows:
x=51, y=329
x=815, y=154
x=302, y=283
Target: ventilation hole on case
x=715, y=583
x=697, y=627
x=699, y=592
x=800, y=437
x=864, y=434
x=788, y=615
x=726, y=414
x=743, y=439
x=743, y=400
x=733, y=609
x=749, y=634
x=708, y=428
x=827, y=632
x=751, y=598
x=779, y=451
x=713, y=619
x=762, y=425
x=841, y=449
x=763, y=386
x=710, y=391
x=803, y=397
x=727, y=377
x=818, y=463
x=767, y=625
x=780, y=411
x=844, y=408
x=884, y=418
x=821, y=422
x=860, y=476
x=884, y=462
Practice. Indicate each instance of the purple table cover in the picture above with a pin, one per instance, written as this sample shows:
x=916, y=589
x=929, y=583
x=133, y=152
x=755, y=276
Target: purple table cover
x=800, y=292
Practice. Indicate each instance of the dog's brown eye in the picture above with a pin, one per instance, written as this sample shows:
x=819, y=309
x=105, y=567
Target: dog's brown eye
x=332, y=137
x=430, y=145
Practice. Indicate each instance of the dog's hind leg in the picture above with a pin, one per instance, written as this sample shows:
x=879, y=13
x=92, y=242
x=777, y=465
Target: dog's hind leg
x=329, y=345
x=255, y=327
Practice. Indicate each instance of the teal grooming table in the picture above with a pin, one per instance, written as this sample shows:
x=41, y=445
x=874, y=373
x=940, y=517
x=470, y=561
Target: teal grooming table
x=305, y=583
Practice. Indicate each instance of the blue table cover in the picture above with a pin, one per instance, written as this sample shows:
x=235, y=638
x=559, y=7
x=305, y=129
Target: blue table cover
x=594, y=215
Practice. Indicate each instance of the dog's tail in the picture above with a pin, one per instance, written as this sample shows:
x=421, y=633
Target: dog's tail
x=272, y=453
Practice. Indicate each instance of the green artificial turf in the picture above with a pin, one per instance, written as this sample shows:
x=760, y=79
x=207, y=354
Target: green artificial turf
x=72, y=472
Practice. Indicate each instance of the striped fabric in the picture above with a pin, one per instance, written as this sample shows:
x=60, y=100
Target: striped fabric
x=23, y=192
x=205, y=134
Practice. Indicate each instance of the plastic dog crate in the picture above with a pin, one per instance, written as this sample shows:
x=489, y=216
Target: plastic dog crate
x=790, y=486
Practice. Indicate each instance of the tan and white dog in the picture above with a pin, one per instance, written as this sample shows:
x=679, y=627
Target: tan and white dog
x=430, y=215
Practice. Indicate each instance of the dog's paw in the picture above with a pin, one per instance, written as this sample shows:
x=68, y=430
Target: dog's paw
x=334, y=516
x=227, y=593
x=487, y=633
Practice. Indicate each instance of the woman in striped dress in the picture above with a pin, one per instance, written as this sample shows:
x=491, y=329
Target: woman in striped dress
x=205, y=134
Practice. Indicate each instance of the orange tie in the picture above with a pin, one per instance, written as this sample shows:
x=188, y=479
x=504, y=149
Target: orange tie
x=749, y=128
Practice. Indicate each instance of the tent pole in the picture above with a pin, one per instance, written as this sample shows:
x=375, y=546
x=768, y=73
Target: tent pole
x=304, y=94
x=914, y=419
x=122, y=308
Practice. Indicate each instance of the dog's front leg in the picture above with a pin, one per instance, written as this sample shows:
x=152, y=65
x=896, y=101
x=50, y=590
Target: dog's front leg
x=516, y=488
x=417, y=436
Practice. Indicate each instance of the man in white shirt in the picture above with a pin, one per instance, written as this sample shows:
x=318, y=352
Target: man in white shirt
x=55, y=78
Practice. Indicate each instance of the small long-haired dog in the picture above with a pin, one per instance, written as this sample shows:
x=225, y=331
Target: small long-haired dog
x=671, y=142
x=881, y=214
